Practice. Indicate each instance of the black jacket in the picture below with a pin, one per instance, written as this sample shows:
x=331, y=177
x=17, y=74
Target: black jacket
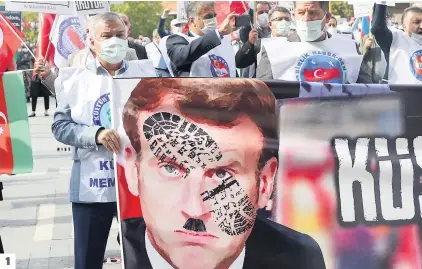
x=141, y=52
x=182, y=53
x=269, y=246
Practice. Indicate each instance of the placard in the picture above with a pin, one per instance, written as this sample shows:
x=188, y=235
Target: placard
x=91, y=7
x=52, y=7
x=14, y=17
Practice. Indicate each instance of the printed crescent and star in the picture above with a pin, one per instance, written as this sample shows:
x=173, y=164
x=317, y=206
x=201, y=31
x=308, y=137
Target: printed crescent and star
x=3, y=116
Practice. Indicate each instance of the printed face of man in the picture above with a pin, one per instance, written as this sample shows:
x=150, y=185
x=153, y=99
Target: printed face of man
x=199, y=186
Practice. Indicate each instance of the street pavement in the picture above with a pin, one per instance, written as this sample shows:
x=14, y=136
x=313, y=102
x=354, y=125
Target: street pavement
x=36, y=215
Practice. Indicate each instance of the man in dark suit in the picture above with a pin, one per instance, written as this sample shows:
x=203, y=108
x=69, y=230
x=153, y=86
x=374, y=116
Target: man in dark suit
x=203, y=36
x=280, y=20
x=200, y=185
x=140, y=50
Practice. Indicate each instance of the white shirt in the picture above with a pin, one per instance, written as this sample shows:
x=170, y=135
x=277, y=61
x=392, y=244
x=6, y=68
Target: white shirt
x=158, y=262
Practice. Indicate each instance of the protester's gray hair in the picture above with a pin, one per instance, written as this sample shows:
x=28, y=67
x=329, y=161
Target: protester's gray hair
x=155, y=33
x=106, y=17
x=195, y=6
x=278, y=9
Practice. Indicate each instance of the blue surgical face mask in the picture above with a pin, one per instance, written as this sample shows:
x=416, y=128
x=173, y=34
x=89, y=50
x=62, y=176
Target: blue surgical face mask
x=113, y=50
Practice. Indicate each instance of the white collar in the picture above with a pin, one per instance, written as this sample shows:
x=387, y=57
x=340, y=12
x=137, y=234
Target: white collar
x=158, y=262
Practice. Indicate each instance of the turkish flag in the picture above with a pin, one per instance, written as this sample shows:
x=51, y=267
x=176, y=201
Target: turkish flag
x=321, y=74
x=9, y=42
x=224, y=8
x=46, y=23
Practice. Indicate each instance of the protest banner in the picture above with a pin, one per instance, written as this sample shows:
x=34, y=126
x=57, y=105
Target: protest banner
x=91, y=7
x=15, y=17
x=51, y=7
x=188, y=159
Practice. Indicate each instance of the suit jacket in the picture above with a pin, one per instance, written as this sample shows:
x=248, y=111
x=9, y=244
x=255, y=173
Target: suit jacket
x=140, y=50
x=264, y=71
x=182, y=53
x=269, y=246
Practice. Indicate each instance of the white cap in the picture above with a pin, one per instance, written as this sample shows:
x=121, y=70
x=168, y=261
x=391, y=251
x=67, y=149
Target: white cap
x=176, y=21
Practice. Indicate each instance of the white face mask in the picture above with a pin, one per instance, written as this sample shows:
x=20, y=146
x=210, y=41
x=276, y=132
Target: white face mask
x=175, y=30
x=332, y=30
x=210, y=25
x=417, y=38
x=263, y=20
x=113, y=50
x=282, y=28
x=309, y=30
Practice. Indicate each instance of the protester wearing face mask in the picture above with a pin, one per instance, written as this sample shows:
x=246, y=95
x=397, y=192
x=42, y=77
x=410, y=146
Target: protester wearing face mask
x=206, y=50
x=332, y=26
x=319, y=57
x=262, y=22
x=400, y=47
x=175, y=26
x=82, y=121
x=249, y=54
x=77, y=59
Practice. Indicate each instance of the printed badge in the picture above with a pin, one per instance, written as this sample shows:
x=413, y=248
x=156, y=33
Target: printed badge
x=219, y=67
x=71, y=37
x=321, y=66
x=101, y=113
x=416, y=64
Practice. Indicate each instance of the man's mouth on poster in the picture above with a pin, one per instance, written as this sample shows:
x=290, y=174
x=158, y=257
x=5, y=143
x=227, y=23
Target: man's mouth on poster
x=185, y=152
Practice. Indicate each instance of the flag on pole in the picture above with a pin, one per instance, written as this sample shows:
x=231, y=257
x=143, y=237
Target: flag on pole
x=366, y=26
x=9, y=42
x=67, y=37
x=15, y=141
x=46, y=23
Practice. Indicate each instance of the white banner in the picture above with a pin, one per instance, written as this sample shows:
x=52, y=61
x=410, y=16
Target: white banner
x=67, y=36
x=290, y=5
x=363, y=9
x=92, y=7
x=52, y=7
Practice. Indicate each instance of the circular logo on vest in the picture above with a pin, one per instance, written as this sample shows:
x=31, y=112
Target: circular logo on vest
x=219, y=67
x=71, y=37
x=321, y=66
x=101, y=113
x=416, y=64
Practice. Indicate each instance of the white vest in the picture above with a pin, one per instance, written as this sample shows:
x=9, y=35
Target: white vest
x=88, y=96
x=405, y=65
x=218, y=62
x=334, y=60
x=153, y=54
x=268, y=40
